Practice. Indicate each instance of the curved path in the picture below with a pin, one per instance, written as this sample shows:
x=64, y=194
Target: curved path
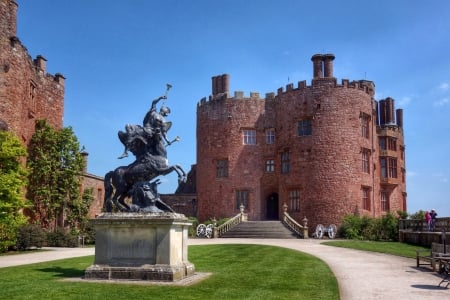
x=360, y=274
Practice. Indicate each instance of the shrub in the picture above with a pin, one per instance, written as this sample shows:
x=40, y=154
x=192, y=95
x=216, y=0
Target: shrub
x=60, y=238
x=30, y=236
x=367, y=228
x=193, y=228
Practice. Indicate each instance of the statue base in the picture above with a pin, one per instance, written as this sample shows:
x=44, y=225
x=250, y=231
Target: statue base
x=141, y=246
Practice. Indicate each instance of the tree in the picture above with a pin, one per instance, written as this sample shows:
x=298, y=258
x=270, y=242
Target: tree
x=79, y=209
x=12, y=183
x=55, y=165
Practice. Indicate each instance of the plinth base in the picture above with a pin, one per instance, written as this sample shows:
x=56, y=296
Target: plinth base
x=141, y=246
x=146, y=272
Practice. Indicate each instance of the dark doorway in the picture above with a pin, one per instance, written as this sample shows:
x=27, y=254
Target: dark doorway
x=272, y=207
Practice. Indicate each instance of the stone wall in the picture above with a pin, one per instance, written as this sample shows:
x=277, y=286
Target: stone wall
x=27, y=91
x=325, y=167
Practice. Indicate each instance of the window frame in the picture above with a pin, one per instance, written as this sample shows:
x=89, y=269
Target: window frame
x=304, y=127
x=365, y=125
x=365, y=160
x=285, y=162
x=294, y=200
x=270, y=136
x=384, y=201
x=270, y=165
x=221, y=168
x=365, y=197
x=242, y=197
x=248, y=136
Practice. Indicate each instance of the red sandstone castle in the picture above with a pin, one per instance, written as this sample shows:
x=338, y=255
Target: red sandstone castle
x=28, y=93
x=326, y=150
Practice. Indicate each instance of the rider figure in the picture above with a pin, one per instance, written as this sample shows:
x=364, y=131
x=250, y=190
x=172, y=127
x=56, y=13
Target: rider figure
x=154, y=128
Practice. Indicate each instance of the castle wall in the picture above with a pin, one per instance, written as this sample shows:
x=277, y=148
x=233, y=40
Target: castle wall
x=27, y=91
x=219, y=137
x=325, y=167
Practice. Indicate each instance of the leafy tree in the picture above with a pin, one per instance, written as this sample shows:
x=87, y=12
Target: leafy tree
x=12, y=183
x=55, y=166
x=79, y=209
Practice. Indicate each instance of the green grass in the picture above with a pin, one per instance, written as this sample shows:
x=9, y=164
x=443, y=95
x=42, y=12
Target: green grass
x=394, y=248
x=238, y=272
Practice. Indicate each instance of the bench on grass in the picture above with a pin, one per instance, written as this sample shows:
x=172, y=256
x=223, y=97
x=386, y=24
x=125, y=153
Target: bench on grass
x=432, y=258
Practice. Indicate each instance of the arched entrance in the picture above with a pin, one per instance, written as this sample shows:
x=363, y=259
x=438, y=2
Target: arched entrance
x=272, y=207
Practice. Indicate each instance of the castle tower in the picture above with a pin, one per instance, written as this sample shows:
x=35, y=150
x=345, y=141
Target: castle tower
x=27, y=91
x=325, y=150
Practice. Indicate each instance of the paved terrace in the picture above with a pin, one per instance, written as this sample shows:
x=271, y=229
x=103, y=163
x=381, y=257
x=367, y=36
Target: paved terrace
x=361, y=275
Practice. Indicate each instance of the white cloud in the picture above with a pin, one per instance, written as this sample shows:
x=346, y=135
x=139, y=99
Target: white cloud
x=440, y=103
x=444, y=86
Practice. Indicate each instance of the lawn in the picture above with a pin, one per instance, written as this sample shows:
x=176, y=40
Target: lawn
x=238, y=272
x=394, y=248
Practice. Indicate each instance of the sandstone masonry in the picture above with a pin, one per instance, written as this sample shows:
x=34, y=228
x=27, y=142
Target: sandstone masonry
x=326, y=150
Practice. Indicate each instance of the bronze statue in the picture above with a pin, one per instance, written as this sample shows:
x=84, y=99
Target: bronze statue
x=148, y=144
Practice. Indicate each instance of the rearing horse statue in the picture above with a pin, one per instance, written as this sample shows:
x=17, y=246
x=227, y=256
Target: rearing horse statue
x=148, y=144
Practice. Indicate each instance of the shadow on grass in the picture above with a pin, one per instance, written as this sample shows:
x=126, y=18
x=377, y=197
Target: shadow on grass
x=63, y=272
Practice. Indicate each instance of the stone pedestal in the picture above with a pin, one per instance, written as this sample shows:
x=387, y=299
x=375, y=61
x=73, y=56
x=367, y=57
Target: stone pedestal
x=141, y=246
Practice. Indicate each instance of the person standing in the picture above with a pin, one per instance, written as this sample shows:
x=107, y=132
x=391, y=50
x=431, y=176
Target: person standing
x=428, y=220
x=433, y=215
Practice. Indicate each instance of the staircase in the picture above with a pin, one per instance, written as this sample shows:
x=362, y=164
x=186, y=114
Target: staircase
x=260, y=230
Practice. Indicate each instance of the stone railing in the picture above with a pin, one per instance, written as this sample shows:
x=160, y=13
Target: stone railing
x=294, y=225
x=416, y=232
x=240, y=217
x=442, y=224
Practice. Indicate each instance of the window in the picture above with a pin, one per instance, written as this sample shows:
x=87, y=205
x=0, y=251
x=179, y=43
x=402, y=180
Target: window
x=392, y=143
x=382, y=141
x=365, y=119
x=384, y=201
x=285, y=162
x=304, y=127
x=241, y=198
x=294, y=200
x=388, y=143
x=365, y=198
x=383, y=164
x=33, y=96
x=392, y=167
x=221, y=168
x=249, y=136
x=270, y=136
x=365, y=160
x=388, y=167
x=270, y=165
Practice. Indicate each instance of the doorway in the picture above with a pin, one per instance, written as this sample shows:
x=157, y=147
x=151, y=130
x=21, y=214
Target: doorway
x=272, y=207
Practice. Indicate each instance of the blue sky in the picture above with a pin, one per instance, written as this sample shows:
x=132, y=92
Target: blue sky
x=118, y=55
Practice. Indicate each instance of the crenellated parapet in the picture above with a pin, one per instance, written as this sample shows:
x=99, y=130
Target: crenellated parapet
x=322, y=78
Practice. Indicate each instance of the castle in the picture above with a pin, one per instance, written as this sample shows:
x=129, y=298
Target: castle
x=325, y=150
x=28, y=93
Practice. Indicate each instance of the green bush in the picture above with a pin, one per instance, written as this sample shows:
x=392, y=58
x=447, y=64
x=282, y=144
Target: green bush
x=193, y=228
x=367, y=228
x=89, y=234
x=30, y=236
x=60, y=238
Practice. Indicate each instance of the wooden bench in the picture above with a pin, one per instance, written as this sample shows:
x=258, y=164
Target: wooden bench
x=444, y=270
x=432, y=257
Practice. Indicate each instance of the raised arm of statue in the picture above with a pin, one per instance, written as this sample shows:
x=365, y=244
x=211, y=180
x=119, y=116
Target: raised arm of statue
x=154, y=102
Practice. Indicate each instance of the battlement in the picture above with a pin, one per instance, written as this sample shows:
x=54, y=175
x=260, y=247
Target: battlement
x=366, y=86
x=322, y=78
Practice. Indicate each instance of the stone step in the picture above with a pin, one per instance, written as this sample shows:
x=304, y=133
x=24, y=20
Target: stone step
x=260, y=230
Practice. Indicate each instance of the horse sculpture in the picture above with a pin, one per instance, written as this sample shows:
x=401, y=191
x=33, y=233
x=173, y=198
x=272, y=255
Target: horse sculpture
x=148, y=144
